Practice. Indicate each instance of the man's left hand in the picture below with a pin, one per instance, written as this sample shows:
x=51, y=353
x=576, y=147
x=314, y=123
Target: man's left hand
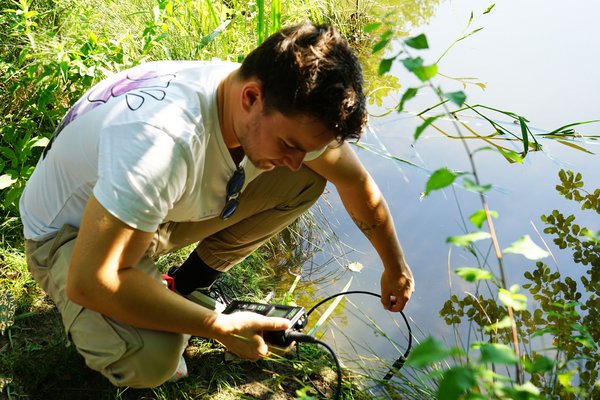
x=397, y=286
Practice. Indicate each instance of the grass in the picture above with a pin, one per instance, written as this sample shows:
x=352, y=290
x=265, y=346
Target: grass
x=52, y=51
x=36, y=361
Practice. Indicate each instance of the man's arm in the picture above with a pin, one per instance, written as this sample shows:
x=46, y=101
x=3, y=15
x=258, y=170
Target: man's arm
x=367, y=208
x=102, y=277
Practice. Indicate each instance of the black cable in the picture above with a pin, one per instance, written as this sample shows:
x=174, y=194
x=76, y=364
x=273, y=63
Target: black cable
x=303, y=338
x=399, y=363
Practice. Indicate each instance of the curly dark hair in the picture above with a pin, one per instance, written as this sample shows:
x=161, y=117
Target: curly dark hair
x=310, y=70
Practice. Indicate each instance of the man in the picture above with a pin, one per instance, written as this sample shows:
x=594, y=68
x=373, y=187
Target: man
x=173, y=153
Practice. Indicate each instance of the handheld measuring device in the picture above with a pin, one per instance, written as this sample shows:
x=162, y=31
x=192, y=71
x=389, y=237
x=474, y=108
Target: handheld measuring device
x=296, y=315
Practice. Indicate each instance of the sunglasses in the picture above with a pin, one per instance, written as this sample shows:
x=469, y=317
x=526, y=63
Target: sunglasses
x=234, y=187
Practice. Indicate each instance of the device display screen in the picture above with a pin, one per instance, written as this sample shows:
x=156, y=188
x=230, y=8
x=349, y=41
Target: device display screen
x=278, y=312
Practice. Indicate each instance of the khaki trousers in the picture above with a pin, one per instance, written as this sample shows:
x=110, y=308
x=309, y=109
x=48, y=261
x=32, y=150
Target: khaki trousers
x=141, y=358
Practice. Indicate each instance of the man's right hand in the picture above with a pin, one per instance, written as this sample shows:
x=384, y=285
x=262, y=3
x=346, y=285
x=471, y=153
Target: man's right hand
x=241, y=333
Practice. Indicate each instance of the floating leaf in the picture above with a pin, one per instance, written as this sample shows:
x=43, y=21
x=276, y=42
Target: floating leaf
x=496, y=353
x=527, y=248
x=6, y=181
x=470, y=274
x=418, y=42
x=439, y=179
x=465, y=240
x=355, y=267
x=479, y=217
x=457, y=98
x=427, y=352
x=409, y=94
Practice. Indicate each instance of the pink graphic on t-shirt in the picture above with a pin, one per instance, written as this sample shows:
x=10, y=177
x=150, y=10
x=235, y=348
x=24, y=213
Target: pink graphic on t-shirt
x=145, y=83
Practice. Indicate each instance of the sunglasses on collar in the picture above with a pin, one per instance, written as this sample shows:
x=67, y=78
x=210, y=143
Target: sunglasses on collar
x=234, y=188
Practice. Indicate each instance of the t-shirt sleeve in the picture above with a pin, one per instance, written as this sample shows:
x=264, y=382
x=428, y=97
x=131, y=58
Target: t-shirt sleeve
x=314, y=154
x=141, y=173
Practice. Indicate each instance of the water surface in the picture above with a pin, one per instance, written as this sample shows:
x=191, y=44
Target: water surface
x=538, y=59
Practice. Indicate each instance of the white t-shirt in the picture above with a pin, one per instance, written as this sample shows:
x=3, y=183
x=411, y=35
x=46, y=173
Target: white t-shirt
x=146, y=142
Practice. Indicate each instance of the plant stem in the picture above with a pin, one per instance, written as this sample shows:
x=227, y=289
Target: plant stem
x=494, y=238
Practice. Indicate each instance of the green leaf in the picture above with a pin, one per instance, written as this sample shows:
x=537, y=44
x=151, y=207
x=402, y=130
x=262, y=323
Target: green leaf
x=511, y=156
x=384, y=40
x=565, y=378
x=409, y=94
x=439, y=179
x=456, y=381
x=457, y=98
x=6, y=181
x=40, y=141
x=512, y=298
x=371, y=27
x=385, y=65
x=502, y=324
x=417, y=42
x=470, y=274
x=487, y=10
x=465, y=240
x=427, y=352
x=415, y=65
x=526, y=248
x=496, y=353
x=426, y=72
x=479, y=217
x=573, y=145
x=424, y=125
x=524, y=134
x=412, y=64
x=540, y=364
x=473, y=187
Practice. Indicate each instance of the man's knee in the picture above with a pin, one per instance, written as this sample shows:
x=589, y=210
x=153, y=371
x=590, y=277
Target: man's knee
x=152, y=365
x=127, y=356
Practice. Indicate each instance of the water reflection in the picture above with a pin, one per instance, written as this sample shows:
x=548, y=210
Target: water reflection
x=527, y=69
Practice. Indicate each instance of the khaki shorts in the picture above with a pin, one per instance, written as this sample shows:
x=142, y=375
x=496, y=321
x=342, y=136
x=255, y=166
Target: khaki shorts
x=135, y=357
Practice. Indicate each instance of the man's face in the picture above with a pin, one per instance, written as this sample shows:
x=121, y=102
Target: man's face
x=272, y=140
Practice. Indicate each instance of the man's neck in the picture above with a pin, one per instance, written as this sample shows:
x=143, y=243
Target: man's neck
x=225, y=96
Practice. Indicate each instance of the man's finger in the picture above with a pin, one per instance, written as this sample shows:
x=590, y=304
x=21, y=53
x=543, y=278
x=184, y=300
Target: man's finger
x=273, y=324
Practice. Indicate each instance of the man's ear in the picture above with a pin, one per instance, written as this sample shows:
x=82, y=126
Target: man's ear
x=251, y=97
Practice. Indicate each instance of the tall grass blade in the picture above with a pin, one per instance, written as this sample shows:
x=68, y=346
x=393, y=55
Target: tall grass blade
x=206, y=40
x=260, y=21
x=329, y=310
x=275, y=16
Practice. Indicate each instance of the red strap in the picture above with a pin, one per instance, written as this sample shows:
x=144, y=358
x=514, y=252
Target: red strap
x=169, y=281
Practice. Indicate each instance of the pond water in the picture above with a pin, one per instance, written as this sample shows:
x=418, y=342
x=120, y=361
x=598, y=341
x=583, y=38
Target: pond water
x=539, y=59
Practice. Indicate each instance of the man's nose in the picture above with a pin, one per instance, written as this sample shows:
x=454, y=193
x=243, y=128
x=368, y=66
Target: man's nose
x=294, y=161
